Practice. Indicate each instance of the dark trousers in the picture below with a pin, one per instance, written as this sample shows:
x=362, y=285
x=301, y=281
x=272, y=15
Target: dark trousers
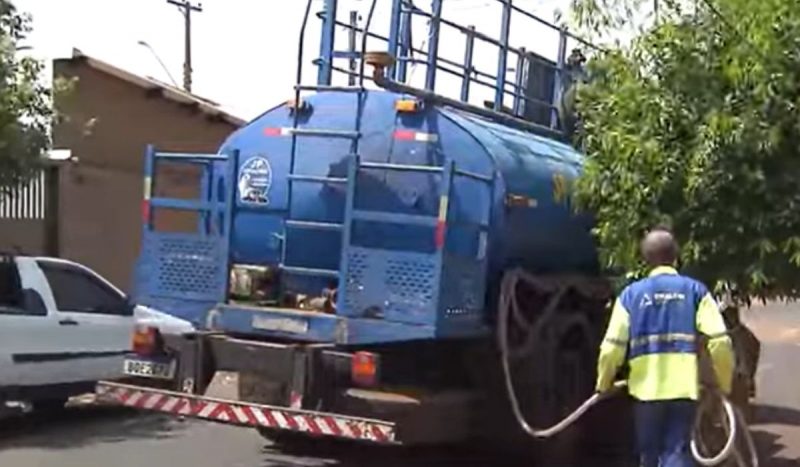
x=663, y=432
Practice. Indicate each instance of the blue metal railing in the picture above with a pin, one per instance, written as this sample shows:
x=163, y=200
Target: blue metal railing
x=398, y=43
x=214, y=214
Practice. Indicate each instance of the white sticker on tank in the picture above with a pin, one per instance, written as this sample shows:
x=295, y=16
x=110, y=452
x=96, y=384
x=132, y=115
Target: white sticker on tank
x=255, y=180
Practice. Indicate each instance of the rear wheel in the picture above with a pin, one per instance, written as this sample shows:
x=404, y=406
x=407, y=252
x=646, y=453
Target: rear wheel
x=299, y=443
x=550, y=330
x=50, y=405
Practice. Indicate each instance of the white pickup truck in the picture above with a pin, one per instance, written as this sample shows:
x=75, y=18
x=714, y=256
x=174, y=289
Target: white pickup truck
x=63, y=327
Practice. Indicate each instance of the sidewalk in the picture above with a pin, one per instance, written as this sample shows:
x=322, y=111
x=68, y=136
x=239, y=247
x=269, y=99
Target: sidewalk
x=777, y=416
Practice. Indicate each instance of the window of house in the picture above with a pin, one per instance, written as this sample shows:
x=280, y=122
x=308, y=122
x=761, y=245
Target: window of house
x=75, y=290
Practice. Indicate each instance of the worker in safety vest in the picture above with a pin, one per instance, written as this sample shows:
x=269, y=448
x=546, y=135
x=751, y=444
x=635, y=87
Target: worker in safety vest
x=655, y=325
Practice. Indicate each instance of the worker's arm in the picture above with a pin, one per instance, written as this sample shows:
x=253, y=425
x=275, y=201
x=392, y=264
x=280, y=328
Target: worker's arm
x=711, y=323
x=613, y=347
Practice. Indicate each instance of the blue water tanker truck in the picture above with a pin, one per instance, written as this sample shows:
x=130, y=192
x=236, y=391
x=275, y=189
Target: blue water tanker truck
x=349, y=271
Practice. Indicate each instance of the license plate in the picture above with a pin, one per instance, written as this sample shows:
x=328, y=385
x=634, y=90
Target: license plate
x=147, y=369
x=290, y=325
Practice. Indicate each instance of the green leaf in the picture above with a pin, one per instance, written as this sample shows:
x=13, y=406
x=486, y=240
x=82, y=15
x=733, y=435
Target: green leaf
x=26, y=104
x=696, y=120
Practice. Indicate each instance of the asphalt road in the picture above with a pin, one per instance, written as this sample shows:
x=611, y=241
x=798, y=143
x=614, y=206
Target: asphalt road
x=776, y=426
x=92, y=437
x=103, y=437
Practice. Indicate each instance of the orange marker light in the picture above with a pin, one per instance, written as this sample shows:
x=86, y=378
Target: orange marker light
x=145, y=340
x=407, y=105
x=364, y=369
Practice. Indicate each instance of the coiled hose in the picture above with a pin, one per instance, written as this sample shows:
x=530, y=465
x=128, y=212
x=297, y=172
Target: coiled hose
x=732, y=420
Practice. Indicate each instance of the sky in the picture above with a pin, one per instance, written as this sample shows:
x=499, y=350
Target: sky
x=245, y=51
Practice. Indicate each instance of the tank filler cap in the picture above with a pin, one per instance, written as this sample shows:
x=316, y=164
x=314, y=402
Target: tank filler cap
x=379, y=59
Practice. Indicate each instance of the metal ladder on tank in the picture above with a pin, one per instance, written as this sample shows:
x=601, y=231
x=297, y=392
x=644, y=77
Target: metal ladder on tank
x=354, y=136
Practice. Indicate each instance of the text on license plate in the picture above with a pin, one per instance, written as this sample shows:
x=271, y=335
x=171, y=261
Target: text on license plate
x=149, y=369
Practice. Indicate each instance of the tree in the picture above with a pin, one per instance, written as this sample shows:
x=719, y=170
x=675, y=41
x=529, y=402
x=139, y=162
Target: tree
x=696, y=123
x=26, y=109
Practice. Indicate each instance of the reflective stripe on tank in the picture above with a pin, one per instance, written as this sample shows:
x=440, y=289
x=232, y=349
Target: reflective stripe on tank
x=147, y=193
x=441, y=221
x=148, y=183
x=410, y=135
x=277, y=131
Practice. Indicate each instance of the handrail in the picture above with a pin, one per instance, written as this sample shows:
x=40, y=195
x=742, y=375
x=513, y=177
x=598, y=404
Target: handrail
x=400, y=167
x=190, y=157
x=424, y=169
x=525, y=101
x=382, y=81
x=399, y=45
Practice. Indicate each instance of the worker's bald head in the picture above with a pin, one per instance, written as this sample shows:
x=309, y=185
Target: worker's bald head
x=659, y=248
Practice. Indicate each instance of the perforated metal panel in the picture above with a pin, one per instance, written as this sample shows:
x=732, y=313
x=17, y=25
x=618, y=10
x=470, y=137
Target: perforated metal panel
x=357, y=264
x=185, y=265
x=411, y=281
x=401, y=286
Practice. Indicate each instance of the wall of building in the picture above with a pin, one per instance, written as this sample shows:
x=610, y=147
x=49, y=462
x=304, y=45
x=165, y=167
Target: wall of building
x=27, y=236
x=109, y=124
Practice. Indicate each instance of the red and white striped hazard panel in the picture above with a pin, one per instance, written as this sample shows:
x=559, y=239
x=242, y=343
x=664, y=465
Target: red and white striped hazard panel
x=246, y=414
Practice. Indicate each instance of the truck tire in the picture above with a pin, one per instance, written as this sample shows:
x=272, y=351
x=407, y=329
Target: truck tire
x=298, y=443
x=52, y=405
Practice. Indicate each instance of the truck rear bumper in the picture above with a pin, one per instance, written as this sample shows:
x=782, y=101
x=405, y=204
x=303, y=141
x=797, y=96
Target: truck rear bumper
x=247, y=413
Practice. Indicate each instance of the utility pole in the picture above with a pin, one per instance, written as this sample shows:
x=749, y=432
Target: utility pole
x=187, y=7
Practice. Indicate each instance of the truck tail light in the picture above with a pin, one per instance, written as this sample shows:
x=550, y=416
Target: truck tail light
x=146, y=340
x=364, y=369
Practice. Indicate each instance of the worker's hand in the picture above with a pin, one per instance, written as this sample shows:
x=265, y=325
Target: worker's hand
x=614, y=388
x=601, y=388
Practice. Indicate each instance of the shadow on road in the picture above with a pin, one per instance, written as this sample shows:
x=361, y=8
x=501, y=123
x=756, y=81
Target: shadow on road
x=772, y=443
x=769, y=450
x=335, y=454
x=325, y=453
x=80, y=427
x=772, y=415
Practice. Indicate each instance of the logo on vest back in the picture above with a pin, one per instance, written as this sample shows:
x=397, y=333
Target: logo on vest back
x=661, y=298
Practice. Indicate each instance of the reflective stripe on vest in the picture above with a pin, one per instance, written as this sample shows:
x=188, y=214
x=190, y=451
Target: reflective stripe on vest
x=662, y=343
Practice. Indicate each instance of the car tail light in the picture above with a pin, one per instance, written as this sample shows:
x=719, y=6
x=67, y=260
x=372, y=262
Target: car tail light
x=146, y=340
x=364, y=368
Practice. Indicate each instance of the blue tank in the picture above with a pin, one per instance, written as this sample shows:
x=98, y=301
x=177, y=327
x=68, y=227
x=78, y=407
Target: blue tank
x=520, y=218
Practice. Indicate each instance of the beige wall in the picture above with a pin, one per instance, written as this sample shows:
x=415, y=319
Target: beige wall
x=100, y=195
x=25, y=235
